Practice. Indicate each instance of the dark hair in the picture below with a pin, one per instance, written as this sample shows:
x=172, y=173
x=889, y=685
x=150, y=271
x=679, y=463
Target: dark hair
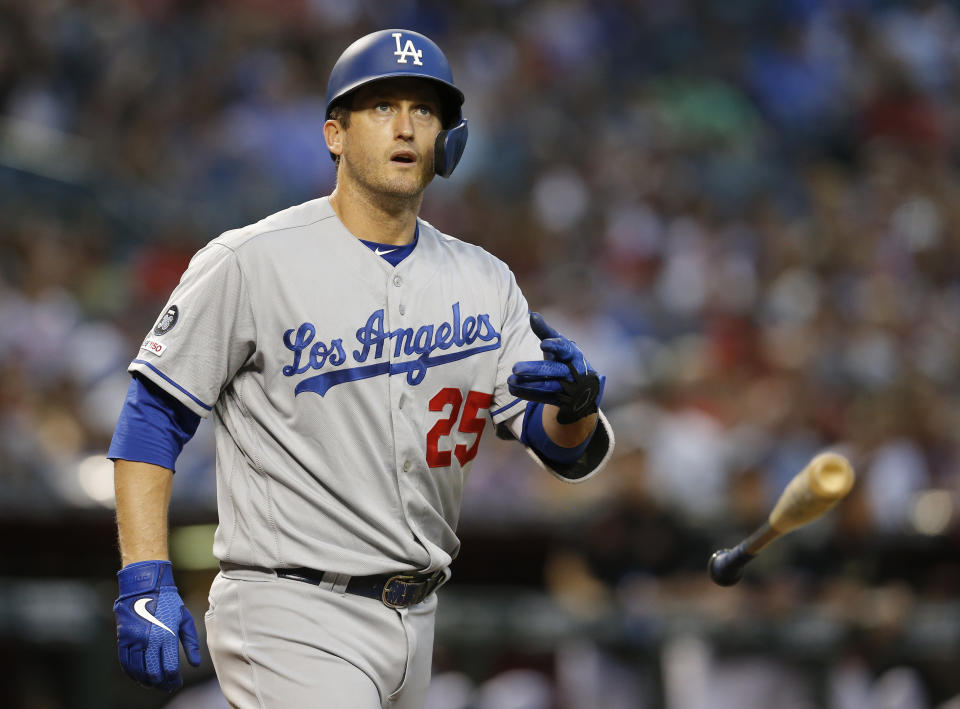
x=340, y=114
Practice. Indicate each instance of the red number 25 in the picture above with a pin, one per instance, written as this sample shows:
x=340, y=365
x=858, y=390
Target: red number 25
x=470, y=423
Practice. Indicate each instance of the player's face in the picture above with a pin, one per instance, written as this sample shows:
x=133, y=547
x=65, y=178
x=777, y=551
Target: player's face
x=388, y=146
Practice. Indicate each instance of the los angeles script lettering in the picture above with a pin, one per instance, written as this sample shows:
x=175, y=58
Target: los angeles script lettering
x=311, y=353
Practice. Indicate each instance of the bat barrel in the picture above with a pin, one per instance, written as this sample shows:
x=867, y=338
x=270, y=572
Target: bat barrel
x=831, y=476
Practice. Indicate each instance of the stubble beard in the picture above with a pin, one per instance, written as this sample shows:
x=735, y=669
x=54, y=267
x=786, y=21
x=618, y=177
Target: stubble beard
x=393, y=191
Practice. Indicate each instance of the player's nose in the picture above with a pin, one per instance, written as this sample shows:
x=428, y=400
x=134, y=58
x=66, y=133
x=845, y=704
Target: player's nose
x=403, y=124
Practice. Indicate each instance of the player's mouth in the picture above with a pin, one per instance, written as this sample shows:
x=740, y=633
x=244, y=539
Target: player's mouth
x=404, y=157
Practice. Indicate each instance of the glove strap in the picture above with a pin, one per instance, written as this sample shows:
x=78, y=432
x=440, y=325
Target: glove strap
x=144, y=576
x=581, y=396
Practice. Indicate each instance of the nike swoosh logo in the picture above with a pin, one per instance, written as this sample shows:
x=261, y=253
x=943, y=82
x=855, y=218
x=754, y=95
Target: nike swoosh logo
x=378, y=252
x=140, y=608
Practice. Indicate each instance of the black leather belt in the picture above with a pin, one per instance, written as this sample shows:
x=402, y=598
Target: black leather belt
x=394, y=591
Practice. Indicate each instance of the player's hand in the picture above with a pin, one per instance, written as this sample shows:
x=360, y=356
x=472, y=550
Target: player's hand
x=562, y=378
x=151, y=623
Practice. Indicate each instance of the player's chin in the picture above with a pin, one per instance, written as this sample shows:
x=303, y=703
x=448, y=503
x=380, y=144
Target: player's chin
x=409, y=182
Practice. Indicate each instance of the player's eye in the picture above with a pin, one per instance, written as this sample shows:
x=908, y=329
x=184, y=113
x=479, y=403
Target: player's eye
x=424, y=111
x=382, y=106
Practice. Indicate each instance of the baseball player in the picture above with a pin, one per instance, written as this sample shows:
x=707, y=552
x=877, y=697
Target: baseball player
x=349, y=353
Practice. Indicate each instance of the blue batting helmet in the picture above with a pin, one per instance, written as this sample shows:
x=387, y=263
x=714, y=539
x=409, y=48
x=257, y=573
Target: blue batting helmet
x=397, y=53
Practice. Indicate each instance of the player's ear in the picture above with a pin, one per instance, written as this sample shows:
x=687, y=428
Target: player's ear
x=333, y=136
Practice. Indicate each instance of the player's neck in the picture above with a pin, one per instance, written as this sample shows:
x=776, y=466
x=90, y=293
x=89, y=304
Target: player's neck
x=373, y=218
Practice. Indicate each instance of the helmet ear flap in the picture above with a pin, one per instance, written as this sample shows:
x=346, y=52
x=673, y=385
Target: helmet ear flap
x=448, y=148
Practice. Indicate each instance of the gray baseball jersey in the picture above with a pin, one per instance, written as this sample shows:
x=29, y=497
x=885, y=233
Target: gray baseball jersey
x=349, y=396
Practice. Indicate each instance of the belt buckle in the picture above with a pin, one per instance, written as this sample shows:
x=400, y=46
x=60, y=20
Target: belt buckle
x=398, y=597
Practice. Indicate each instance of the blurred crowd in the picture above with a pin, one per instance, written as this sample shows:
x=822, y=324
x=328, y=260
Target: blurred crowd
x=747, y=213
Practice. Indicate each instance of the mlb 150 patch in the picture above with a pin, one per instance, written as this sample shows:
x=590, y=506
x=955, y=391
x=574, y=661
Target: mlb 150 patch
x=167, y=322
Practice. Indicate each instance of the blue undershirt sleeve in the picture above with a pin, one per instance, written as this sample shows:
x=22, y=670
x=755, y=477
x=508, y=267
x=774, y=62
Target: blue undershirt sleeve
x=153, y=426
x=536, y=437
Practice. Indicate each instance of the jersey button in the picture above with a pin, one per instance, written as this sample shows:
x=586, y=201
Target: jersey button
x=403, y=309
x=406, y=466
x=397, y=281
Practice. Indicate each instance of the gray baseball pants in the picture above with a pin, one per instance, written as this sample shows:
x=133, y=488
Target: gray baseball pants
x=281, y=643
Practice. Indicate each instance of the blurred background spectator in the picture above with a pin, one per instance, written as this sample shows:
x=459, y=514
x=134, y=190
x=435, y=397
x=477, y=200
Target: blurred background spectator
x=750, y=211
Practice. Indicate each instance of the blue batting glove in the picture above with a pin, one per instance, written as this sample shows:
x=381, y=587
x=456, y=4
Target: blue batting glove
x=151, y=623
x=562, y=378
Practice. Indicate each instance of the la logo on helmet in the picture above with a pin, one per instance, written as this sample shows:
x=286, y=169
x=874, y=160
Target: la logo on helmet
x=408, y=51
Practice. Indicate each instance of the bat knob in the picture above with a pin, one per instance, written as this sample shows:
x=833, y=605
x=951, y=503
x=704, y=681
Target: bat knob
x=726, y=565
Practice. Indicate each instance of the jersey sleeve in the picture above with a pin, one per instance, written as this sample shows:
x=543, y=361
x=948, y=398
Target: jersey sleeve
x=204, y=334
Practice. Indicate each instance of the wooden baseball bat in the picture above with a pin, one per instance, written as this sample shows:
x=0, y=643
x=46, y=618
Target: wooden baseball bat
x=813, y=491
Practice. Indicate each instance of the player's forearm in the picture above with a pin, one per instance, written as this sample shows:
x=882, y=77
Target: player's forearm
x=567, y=435
x=143, y=496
